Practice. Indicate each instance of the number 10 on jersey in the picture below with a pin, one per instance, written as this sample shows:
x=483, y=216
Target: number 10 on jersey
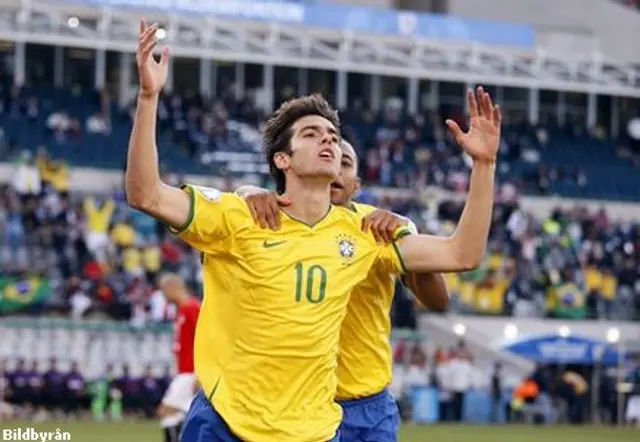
x=311, y=284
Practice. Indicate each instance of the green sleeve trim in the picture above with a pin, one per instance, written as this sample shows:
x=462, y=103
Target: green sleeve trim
x=402, y=233
x=192, y=211
x=404, y=268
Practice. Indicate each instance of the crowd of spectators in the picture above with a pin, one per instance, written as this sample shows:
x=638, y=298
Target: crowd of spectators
x=549, y=394
x=571, y=264
x=222, y=136
x=100, y=256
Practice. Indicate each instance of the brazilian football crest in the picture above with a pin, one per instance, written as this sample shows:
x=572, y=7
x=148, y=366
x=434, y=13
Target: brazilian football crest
x=346, y=248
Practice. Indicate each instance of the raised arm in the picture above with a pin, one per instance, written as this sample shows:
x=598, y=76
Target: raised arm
x=144, y=188
x=465, y=249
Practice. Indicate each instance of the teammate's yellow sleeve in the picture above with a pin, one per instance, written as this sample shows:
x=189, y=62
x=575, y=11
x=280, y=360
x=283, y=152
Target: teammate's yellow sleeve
x=214, y=216
x=389, y=259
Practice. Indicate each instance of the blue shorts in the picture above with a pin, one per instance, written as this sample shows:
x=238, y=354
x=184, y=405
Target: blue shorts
x=204, y=424
x=372, y=419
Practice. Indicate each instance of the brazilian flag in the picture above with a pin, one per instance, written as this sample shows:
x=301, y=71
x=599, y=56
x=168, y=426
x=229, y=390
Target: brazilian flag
x=18, y=294
x=566, y=300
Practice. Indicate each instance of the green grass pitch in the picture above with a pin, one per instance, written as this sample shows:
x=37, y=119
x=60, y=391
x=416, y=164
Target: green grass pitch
x=150, y=432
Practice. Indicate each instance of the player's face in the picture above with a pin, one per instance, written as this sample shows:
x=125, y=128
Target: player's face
x=315, y=150
x=348, y=184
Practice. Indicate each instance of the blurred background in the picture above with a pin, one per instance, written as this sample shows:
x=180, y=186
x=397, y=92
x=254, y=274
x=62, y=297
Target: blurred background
x=545, y=333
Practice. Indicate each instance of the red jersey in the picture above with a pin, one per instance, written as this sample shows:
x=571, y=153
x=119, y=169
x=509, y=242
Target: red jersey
x=184, y=335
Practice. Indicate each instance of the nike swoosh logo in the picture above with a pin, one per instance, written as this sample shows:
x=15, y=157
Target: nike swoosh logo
x=266, y=244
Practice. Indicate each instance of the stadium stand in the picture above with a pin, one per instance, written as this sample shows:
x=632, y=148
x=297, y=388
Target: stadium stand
x=398, y=150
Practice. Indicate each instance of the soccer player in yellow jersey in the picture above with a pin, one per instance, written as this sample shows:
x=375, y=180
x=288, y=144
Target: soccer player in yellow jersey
x=365, y=359
x=267, y=339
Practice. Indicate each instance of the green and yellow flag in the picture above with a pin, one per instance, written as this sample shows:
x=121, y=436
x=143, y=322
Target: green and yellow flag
x=566, y=301
x=17, y=294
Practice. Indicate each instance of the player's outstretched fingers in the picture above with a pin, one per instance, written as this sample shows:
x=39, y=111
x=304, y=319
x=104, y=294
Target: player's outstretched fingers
x=497, y=116
x=472, y=103
x=165, y=56
x=455, y=131
x=148, y=41
x=479, y=101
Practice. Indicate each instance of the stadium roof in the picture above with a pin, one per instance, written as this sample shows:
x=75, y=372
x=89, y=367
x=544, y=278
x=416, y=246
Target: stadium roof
x=195, y=36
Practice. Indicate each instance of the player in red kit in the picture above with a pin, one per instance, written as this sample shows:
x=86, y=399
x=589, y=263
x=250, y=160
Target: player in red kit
x=177, y=399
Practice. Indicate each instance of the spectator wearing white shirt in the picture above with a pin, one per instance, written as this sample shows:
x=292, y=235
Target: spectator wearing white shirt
x=26, y=180
x=159, y=308
x=79, y=301
x=460, y=372
x=97, y=124
x=416, y=374
x=59, y=122
x=443, y=383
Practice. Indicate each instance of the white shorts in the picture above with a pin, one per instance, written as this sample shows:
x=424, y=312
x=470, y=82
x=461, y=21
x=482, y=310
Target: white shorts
x=97, y=243
x=633, y=408
x=180, y=394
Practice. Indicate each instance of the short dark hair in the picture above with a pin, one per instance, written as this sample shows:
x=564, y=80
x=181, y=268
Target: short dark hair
x=277, y=132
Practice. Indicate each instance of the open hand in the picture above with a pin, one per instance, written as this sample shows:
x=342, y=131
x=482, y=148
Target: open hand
x=482, y=141
x=383, y=225
x=152, y=73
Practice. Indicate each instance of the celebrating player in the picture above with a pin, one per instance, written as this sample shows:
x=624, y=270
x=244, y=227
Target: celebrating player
x=177, y=399
x=267, y=337
x=365, y=359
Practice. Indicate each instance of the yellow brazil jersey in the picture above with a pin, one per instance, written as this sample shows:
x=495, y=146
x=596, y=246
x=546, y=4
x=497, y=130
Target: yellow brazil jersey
x=98, y=219
x=365, y=360
x=152, y=258
x=267, y=338
x=123, y=235
x=131, y=260
x=593, y=279
x=609, y=287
